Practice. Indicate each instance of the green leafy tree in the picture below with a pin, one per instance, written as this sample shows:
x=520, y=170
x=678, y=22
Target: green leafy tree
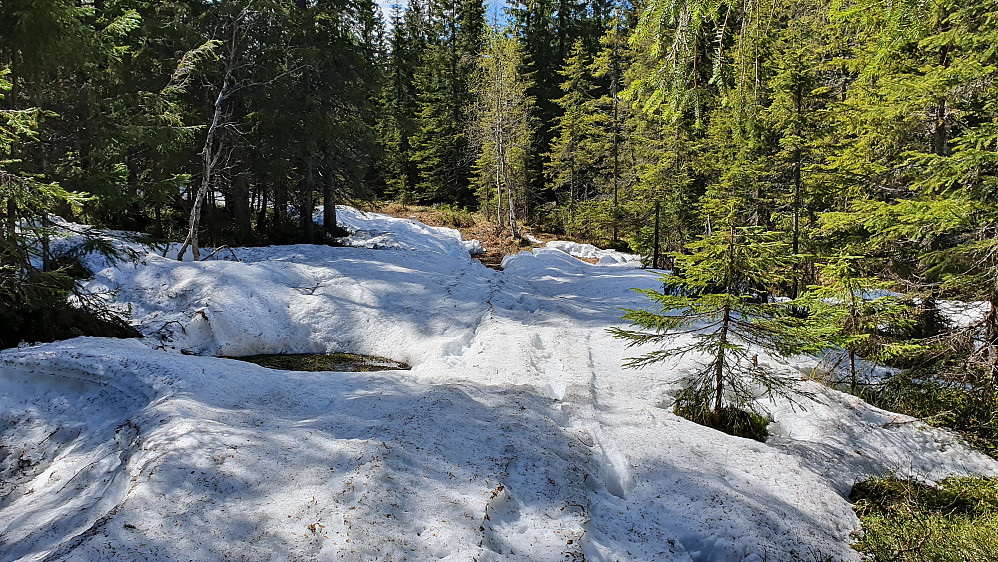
x=503, y=129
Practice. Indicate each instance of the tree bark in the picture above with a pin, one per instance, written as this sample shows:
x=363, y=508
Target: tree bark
x=991, y=341
x=210, y=158
x=241, y=207
x=308, y=204
x=280, y=206
x=725, y=323
x=328, y=204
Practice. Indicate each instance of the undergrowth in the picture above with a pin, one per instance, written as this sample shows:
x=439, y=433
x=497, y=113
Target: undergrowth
x=907, y=521
x=49, y=306
x=970, y=410
x=455, y=217
x=730, y=420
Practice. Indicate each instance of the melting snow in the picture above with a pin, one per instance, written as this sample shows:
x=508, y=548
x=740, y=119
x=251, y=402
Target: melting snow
x=516, y=436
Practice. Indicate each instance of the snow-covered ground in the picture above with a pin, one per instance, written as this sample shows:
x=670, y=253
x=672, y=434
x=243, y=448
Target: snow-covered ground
x=516, y=436
x=588, y=251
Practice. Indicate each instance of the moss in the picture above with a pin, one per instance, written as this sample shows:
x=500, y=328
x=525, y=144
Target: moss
x=730, y=420
x=908, y=521
x=340, y=362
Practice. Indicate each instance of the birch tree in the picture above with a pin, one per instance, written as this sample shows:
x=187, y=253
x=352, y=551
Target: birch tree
x=234, y=64
x=502, y=129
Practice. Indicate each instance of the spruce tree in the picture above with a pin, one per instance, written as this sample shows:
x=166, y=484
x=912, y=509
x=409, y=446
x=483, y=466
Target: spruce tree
x=857, y=313
x=608, y=66
x=917, y=157
x=793, y=117
x=440, y=147
x=716, y=306
x=396, y=124
x=572, y=167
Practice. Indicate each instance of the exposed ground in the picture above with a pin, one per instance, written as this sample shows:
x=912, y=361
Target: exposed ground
x=473, y=226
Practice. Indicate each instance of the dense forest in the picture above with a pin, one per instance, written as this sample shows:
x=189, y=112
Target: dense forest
x=856, y=140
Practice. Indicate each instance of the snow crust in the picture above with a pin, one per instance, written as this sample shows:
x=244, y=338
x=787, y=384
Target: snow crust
x=517, y=435
x=379, y=231
x=588, y=251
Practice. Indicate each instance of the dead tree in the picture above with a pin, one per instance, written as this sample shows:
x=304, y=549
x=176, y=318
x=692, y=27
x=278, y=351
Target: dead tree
x=214, y=150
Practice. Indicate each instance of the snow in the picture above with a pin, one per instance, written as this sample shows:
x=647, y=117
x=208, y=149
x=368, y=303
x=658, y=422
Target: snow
x=963, y=314
x=588, y=251
x=517, y=435
x=379, y=231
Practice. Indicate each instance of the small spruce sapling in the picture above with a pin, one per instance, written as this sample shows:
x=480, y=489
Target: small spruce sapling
x=717, y=305
x=855, y=313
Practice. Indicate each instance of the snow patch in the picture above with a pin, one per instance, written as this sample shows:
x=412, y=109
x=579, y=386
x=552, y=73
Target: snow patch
x=588, y=251
x=379, y=231
x=517, y=435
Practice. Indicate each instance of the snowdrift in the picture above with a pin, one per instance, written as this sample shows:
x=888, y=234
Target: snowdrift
x=517, y=435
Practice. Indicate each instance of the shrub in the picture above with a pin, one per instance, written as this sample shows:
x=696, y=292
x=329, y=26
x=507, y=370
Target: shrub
x=970, y=410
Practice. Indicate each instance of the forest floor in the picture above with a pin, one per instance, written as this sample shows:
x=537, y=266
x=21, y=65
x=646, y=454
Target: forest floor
x=496, y=241
x=516, y=435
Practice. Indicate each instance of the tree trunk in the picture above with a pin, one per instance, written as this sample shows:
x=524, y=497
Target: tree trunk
x=261, y=216
x=46, y=251
x=158, y=220
x=15, y=82
x=210, y=159
x=796, y=226
x=991, y=341
x=940, y=141
x=11, y=220
x=329, y=204
x=725, y=323
x=928, y=315
x=241, y=208
x=616, y=152
x=719, y=360
x=655, y=251
x=280, y=206
x=308, y=204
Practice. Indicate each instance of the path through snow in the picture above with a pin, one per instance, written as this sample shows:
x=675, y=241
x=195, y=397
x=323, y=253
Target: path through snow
x=516, y=436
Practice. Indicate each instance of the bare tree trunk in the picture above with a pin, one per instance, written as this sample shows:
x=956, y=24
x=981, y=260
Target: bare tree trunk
x=328, y=204
x=158, y=220
x=991, y=341
x=308, y=205
x=210, y=159
x=46, y=250
x=261, y=216
x=796, y=226
x=15, y=82
x=241, y=207
x=280, y=205
x=498, y=166
x=725, y=323
x=11, y=219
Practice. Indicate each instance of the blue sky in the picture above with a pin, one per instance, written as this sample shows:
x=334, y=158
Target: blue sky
x=386, y=7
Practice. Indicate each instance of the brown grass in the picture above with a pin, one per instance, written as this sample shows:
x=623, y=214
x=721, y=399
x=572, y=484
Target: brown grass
x=497, y=243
